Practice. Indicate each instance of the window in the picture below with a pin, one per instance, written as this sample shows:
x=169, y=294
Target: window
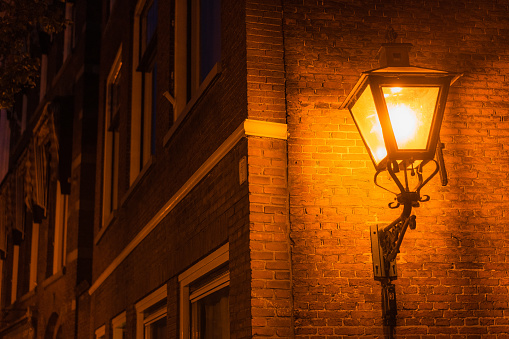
x=151, y=315
x=118, y=326
x=44, y=76
x=100, y=333
x=5, y=137
x=69, y=29
x=17, y=231
x=143, y=115
x=111, y=140
x=27, y=255
x=15, y=266
x=197, y=48
x=204, y=298
x=34, y=256
x=26, y=240
x=60, y=230
x=40, y=195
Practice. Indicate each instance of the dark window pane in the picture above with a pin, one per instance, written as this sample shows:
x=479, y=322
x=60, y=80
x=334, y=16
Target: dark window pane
x=158, y=329
x=114, y=97
x=210, y=35
x=212, y=315
x=151, y=21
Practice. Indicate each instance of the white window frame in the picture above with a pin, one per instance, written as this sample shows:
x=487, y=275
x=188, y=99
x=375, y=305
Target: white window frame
x=60, y=237
x=100, y=333
x=141, y=306
x=118, y=325
x=111, y=149
x=200, y=269
x=141, y=150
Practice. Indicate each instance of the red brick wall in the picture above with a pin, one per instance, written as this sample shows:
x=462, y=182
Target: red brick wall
x=217, y=114
x=271, y=293
x=304, y=264
x=55, y=295
x=265, y=63
x=213, y=213
x=453, y=272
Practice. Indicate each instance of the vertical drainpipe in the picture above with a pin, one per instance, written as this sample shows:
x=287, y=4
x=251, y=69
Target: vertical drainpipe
x=289, y=229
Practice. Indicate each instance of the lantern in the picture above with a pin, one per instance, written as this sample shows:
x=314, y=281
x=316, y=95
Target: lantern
x=398, y=108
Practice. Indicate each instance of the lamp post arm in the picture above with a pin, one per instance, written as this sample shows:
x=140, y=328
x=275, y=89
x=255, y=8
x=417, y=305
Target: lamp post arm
x=391, y=236
x=394, y=252
x=440, y=157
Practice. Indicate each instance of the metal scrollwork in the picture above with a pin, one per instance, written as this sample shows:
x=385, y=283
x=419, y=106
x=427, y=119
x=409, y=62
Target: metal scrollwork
x=389, y=238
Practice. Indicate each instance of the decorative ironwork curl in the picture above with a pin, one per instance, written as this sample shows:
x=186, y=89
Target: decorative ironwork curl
x=389, y=238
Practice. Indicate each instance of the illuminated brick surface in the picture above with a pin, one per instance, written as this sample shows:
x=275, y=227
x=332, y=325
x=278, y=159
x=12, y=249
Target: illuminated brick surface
x=298, y=228
x=453, y=268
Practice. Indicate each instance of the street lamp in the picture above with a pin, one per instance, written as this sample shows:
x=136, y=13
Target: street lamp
x=398, y=110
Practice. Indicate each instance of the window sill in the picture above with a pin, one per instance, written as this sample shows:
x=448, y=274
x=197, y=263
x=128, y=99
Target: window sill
x=27, y=295
x=107, y=223
x=136, y=181
x=54, y=278
x=124, y=198
x=216, y=70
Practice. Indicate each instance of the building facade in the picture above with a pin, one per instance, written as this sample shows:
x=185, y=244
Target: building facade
x=47, y=192
x=216, y=188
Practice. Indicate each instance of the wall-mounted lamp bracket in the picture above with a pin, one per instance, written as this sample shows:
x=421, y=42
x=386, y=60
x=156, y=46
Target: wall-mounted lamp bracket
x=440, y=157
x=380, y=102
x=386, y=241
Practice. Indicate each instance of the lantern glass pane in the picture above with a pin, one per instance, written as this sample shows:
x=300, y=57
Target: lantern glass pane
x=411, y=111
x=366, y=118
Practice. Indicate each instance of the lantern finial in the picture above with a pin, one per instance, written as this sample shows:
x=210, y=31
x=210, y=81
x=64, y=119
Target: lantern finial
x=391, y=35
x=394, y=55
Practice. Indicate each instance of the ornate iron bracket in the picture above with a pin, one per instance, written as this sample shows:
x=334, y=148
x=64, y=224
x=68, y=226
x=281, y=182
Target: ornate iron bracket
x=386, y=241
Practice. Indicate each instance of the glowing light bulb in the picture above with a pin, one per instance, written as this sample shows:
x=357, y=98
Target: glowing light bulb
x=404, y=123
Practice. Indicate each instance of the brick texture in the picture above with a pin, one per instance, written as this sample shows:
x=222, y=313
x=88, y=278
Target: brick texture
x=265, y=63
x=453, y=268
x=214, y=212
x=298, y=229
x=271, y=290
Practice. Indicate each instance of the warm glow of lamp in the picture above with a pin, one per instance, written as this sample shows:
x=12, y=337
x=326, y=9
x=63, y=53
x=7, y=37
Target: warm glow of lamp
x=368, y=121
x=404, y=123
x=411, y=112
x=398, y=108
x=401, y=120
